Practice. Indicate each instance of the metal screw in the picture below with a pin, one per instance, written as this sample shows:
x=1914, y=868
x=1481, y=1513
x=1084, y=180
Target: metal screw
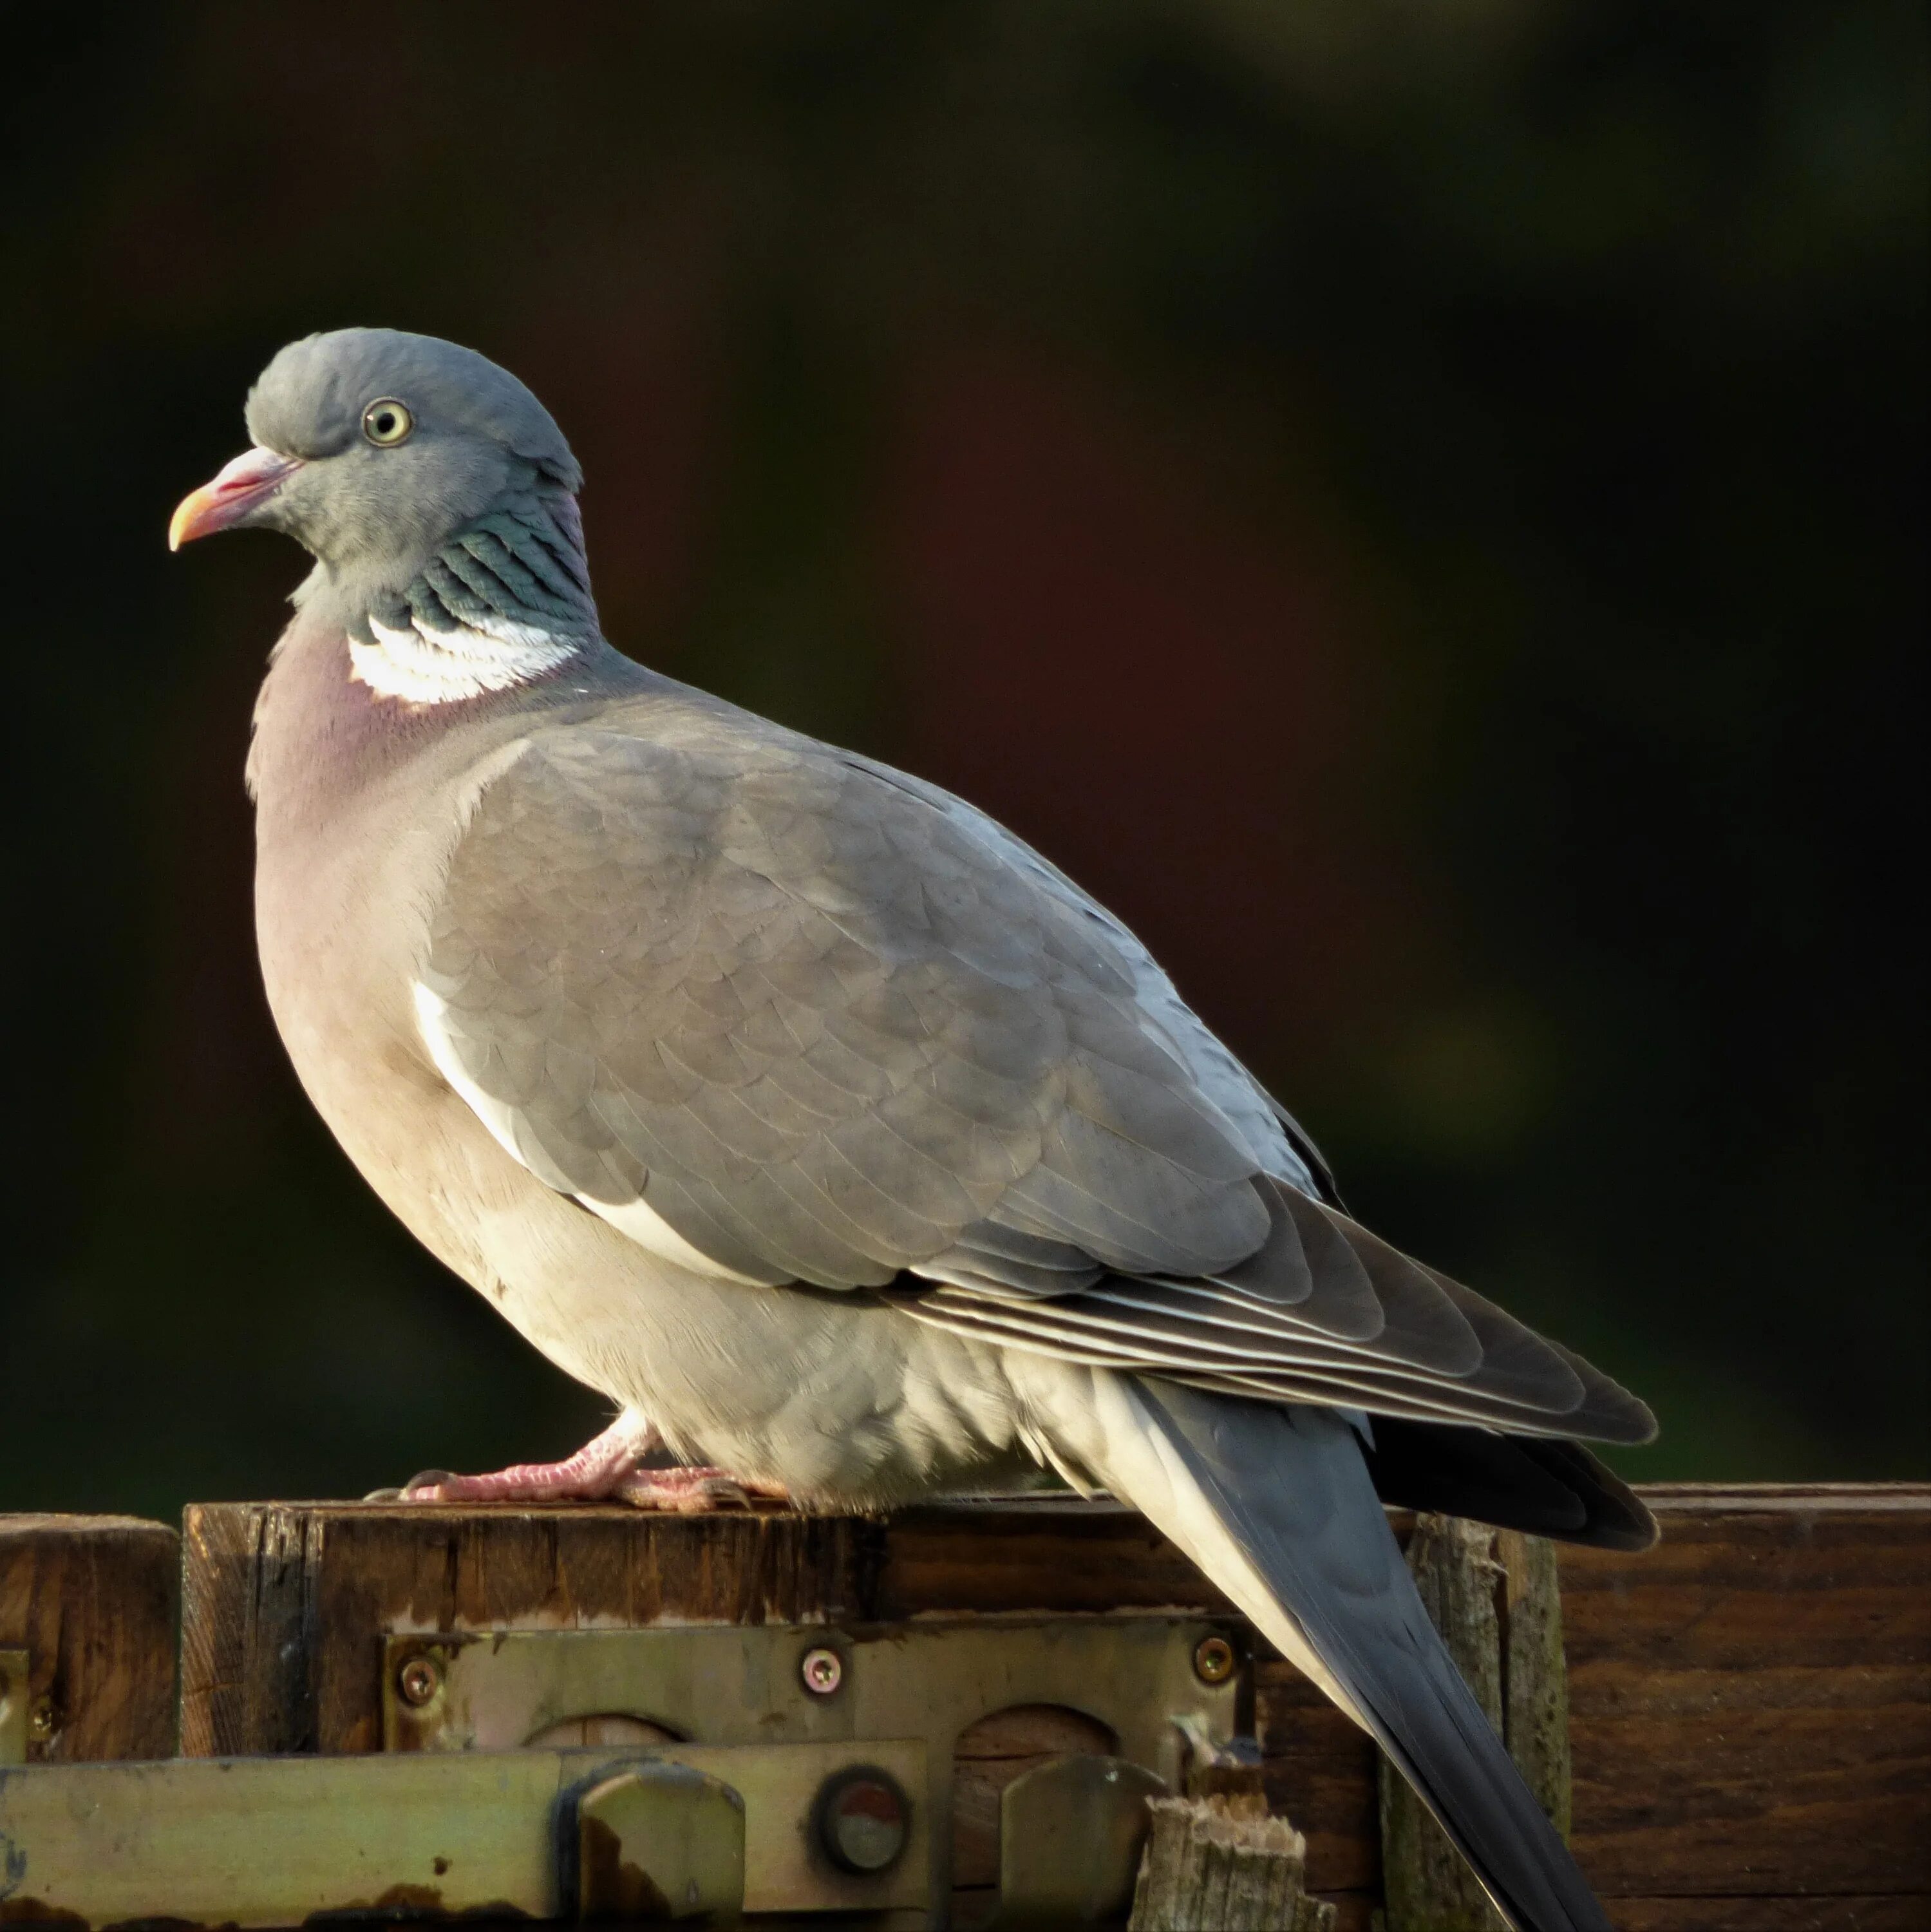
x=41, y=1721
x=1213, y=1660
x=419, y=1680
x=823, y=1671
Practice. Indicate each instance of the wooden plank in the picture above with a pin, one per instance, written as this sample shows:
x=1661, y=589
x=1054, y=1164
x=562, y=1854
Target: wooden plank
x=92, y=1601
x=1754, y=1913
x=1012, y=1555
x=1750, y=1703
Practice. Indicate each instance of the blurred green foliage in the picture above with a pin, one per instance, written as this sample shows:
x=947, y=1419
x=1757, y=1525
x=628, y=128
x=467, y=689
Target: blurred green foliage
x=1421, y=507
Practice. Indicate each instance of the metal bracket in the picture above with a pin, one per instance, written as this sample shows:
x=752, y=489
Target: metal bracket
x=14, y=1701
x=1152, y=1681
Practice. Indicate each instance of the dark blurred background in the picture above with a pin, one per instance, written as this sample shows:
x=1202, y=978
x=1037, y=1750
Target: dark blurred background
x=1419, y=507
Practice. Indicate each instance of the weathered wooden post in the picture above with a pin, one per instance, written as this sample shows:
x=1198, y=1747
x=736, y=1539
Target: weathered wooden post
x=1222, y=1864
x=87, y=1639
x=1495, y=1597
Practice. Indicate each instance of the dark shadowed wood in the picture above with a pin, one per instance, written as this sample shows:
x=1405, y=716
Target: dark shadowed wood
x=92, y=1600
x=1755, y=1913
x=1750, y=1703
x=1320, y=1769
x=1045, y=1555
x=1354, y=1911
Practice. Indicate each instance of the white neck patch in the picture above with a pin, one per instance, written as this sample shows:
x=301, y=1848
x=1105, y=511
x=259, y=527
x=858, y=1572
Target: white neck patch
x=426, y=665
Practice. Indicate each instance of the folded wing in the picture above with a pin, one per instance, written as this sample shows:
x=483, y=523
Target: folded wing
x=784, y=1016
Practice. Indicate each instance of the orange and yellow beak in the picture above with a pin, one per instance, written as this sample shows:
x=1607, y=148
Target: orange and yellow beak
x=253, y=477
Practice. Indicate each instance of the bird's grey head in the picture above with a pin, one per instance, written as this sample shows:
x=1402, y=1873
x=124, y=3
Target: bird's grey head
x=373, y=447
x=437, y=497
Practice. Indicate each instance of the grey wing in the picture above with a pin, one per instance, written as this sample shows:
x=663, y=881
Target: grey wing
x=781, y=1015
x=1285, y=1147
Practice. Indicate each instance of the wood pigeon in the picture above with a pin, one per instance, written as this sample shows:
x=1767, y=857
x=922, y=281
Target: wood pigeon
x=821, y=1124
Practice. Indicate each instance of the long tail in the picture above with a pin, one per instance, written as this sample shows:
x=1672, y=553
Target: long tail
x=1276, y=1505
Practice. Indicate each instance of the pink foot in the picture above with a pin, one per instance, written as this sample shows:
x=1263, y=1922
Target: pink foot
x=604, y=1469
x=596, y=1471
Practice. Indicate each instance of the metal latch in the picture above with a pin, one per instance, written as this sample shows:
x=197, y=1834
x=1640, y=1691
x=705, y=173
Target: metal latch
x=1149, y=1680
x=663, y=1773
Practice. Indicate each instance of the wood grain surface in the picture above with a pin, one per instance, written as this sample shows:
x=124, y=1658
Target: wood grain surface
x=92, y=1599
x=1750, y=1703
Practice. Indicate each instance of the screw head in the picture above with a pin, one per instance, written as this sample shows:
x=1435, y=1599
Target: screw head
x=1213, y=1660
x=822, y=1670
x=418, y=1680
x=864, y=1819
x=40, y=1720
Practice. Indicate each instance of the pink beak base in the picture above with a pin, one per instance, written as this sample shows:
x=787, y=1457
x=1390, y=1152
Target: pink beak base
x=251, y=479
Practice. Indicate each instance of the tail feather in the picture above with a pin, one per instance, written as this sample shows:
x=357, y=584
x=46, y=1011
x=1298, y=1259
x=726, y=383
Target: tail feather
x=1541, y=1484
x=1277, y=1505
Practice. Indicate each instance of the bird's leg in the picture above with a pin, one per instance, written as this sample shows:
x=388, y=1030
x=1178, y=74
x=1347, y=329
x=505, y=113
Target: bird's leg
x=603, y=1469
x=596, y=1471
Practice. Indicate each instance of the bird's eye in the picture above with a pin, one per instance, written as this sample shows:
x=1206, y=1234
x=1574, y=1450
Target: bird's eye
x=385, y=422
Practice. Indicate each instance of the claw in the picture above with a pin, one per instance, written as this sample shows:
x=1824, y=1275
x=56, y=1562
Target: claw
x=694, y=1492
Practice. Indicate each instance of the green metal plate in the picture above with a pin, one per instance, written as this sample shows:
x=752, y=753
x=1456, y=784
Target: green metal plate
x=255, y=1842
x=736, y=1684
